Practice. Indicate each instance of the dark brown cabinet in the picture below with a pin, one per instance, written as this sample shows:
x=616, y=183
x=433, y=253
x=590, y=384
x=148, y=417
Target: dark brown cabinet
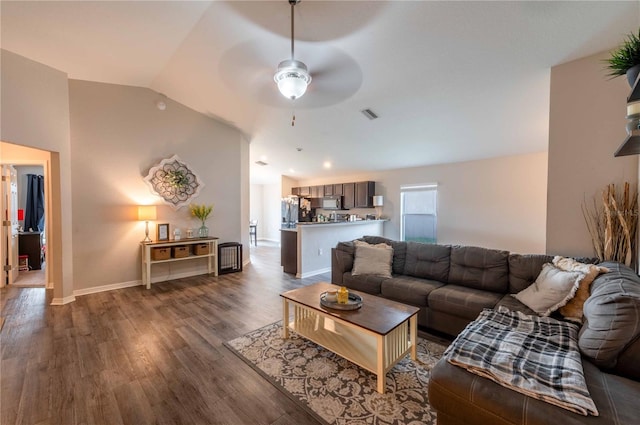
x=364, y=194
x=295, y=191
x=316, y=191
x=349, y=195
x=289, y=251
x=328, y=190
x=30, y=243
x=304, y=191
x=337, y=189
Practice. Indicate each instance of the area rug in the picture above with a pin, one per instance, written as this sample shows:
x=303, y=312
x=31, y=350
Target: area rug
x=335, y=390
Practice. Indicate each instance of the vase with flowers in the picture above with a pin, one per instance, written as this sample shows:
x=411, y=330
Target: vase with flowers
x=201, y=212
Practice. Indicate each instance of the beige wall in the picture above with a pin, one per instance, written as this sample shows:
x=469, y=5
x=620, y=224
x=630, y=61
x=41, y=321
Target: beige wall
x=35, y=113
x=586, y=126
x=117, y=134
x=495, y=203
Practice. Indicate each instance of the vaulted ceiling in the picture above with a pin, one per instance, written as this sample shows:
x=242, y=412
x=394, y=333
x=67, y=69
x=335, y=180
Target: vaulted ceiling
x=450, y=81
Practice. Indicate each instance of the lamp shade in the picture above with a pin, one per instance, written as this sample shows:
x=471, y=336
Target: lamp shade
x=292, y=78
x=378, y=201
x=146, y=212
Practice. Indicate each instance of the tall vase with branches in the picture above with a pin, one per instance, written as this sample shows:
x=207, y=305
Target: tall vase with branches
x=613, y=224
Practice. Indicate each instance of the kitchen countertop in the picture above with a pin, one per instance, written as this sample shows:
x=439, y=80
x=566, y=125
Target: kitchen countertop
x=331, y=223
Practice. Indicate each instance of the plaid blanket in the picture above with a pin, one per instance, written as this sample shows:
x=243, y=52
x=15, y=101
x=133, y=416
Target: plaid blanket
x=535, y=356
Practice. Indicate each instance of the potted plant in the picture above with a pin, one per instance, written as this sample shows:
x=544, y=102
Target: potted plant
x=201, y=212
x=625, y=60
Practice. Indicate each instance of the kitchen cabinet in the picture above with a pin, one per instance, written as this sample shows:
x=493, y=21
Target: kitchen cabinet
x=349, y=195
x=304, y=191
x=364, y=194
x=289, y=251
x=337, y=189
x=316, y=191
x=328, y=190
x=295, y=191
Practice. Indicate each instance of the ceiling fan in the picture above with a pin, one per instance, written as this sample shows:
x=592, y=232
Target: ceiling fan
x=248, y=67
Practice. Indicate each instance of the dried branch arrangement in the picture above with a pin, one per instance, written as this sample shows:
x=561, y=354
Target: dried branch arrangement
x=613, y=225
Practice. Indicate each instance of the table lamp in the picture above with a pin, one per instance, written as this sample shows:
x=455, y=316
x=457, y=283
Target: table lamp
x=146, y=213
x=378, y=203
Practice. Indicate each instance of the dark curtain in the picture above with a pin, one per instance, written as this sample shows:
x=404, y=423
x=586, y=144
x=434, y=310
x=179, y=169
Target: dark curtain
x=34, y=211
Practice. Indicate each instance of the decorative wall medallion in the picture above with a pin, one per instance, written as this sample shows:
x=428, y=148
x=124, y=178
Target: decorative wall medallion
x=174, y=182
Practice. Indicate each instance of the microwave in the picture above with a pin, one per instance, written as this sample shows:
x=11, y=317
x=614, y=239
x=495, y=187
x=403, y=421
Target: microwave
x=332, y=203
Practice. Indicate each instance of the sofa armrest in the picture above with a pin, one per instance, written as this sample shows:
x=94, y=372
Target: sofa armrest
x=341, y=262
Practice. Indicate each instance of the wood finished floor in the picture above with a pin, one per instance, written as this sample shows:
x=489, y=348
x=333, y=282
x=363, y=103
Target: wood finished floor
x=135, y=356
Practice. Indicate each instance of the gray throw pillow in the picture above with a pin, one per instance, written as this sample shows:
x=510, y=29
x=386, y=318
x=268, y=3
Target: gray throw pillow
x=552, y=289
x=372, y=259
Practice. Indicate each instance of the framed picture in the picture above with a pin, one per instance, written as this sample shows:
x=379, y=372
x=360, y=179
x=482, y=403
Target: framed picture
x=163, y=232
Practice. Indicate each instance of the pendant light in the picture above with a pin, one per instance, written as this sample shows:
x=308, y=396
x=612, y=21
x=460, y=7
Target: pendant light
x=292, y=76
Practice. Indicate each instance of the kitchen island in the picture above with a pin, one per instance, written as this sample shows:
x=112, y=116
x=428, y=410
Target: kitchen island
x=308, y=245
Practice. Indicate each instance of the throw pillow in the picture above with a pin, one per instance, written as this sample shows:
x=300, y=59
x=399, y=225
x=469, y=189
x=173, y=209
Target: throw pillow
x=573, y=309
x=552, y=289
x=372, y=259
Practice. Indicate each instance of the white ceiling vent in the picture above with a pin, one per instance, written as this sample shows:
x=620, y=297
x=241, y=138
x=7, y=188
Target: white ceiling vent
x=369, y=114
x=261, y=163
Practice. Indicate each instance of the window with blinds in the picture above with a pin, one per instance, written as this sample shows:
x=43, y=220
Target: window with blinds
x=418, y=220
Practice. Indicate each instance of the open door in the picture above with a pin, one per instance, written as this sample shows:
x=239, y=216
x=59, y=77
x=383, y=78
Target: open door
x=9, y=232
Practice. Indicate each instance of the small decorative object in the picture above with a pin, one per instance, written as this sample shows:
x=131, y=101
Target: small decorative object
x=163, y=232
x=201, y=212
x=189, y=233
x=378, y=203
x=331, y=295
x=625, y=60
x=613, y=225
x=177, y=234
x=174, y=182
x=354, y=301
x=343, y=295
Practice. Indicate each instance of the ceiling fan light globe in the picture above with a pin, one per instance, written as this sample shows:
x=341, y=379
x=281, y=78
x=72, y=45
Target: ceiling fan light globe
x=292, y=79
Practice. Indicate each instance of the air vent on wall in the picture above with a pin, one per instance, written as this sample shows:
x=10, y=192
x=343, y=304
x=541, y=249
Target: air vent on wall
x=261, y=163
x=369, y=114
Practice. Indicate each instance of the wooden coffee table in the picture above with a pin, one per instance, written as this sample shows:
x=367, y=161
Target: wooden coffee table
x=375, y=336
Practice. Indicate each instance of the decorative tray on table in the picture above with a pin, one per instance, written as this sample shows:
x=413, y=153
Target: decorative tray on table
x=354, y=302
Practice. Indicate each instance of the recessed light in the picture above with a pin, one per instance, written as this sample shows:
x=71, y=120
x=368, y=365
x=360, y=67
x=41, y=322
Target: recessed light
x=263, y=158
x=327, y=164
x=291, y=170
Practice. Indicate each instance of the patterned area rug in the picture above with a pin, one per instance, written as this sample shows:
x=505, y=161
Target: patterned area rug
x=335, y=390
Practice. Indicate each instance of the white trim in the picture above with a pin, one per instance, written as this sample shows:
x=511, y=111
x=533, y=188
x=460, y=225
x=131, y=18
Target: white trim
x=313, y=273
x=103, y=288
x=63, y=301
x=418, y=186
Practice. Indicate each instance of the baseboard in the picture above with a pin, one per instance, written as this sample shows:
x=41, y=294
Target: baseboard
x=313, y=273
x=103, y=288
x=63, y=301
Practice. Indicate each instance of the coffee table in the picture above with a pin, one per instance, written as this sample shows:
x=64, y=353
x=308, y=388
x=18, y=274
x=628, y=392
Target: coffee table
x=375, y=336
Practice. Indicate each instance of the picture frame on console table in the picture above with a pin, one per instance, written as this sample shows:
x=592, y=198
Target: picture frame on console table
x=162, y=232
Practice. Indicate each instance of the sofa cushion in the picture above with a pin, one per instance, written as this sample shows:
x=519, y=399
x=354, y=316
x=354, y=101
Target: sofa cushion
x=428, y=261
x=510, y=303
x=372, y=259
x=345, y=252
x=462, y=301
x=366, y=283
x=399, y=251
x=552, y=289
x=524, y=269
x=479, y=268
x=409, y=290
x=573, y=309
x=611, y=330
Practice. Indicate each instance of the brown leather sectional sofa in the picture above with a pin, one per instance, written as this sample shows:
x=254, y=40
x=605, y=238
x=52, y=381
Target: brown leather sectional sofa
x=453, y=284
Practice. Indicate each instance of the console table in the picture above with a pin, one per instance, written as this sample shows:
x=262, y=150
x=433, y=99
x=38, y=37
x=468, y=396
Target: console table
x=147, y=261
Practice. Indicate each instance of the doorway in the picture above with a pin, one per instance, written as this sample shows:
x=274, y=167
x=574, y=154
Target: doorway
x=26, y=239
